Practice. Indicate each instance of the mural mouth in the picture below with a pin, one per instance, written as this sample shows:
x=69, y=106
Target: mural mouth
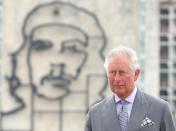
x=54, y=88
x=55, y=81
x=58, y=82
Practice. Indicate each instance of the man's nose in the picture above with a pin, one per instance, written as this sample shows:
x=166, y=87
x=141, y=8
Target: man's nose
x=117, y=77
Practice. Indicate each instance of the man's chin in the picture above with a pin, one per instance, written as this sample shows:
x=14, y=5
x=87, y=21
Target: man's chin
x=120, y=93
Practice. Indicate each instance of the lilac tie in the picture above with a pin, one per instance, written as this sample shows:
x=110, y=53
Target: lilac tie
x=123, y=115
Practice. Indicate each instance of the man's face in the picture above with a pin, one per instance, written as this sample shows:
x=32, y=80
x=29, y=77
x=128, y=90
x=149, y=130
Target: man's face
x=56, y=57
x=120, y=76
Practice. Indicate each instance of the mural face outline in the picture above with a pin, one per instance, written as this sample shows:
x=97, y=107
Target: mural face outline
x=59, y=71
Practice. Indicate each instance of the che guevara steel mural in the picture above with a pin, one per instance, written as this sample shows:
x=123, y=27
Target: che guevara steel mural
x=61, y=45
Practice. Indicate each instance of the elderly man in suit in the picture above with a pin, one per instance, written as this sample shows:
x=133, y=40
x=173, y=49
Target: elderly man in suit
x=128, y=109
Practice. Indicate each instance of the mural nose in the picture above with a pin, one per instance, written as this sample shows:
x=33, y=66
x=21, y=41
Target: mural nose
x=57, y=69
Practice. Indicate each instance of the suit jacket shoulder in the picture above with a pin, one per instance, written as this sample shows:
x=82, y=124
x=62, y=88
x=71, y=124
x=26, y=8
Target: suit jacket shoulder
x=155, y=100
x=102, y=116
x=157, y=110
x=98, y=106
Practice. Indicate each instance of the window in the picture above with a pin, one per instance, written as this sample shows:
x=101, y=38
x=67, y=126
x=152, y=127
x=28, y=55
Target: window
x=163, y=38
x=163, y=80
x=168, y=53
x=164, y=52
x=163, y=65
x=164, y=25
x=164, y=11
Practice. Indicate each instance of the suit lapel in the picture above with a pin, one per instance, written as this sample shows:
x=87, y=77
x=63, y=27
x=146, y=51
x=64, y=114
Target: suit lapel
x=138, y=112
x=110, y=115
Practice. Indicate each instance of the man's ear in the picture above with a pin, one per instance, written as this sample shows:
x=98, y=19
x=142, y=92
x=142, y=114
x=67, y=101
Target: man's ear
x=136, y=74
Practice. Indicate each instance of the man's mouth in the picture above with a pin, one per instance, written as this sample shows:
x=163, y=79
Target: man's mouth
x=119, y=86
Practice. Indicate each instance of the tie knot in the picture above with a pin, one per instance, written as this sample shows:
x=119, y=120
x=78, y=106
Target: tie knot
x=123, y=102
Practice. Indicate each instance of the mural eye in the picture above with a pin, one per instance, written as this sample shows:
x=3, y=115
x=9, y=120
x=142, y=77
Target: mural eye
x=72, y=48
x=41, y=45
x=73, y=45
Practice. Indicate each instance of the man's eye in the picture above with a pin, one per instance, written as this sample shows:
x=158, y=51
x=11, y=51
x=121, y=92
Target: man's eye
x=122, y=72
x=113, y=72
x=41, y=45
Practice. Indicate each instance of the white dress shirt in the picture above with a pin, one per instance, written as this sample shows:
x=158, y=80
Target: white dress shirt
x=129, y=99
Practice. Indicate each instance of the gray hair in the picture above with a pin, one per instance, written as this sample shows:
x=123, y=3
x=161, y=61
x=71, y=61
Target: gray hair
x=125, y=51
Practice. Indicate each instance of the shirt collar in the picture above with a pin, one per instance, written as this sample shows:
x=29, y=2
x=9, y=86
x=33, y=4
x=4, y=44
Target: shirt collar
x=130, y=98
